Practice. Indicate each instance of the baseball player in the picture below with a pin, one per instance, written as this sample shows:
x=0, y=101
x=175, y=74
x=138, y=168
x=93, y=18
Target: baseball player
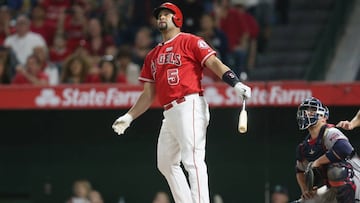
x=172, y=71
x=327, y=152
x=349, y=125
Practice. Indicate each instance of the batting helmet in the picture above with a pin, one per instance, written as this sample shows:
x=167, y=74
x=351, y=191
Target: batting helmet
x=309, y=111
x=178, y=16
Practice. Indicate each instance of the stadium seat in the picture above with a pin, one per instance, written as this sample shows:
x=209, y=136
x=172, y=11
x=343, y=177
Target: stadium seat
x=291, y=46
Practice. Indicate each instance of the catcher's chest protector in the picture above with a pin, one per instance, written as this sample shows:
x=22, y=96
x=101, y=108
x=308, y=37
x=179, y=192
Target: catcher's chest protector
x=313, y=149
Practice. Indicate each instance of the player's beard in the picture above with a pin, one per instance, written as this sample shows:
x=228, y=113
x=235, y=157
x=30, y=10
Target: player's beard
x=162, y=26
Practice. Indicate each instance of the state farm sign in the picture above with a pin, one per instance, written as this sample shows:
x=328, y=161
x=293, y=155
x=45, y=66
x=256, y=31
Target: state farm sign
x=218, y=95
x=274, y=95
x=75, y=97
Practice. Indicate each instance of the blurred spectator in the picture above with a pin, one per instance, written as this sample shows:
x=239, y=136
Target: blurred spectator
x=21, y=6
x=217, y=40
x=5, y=24
x=265, y=18
x=218, y=199
x=192, y=11
x=253, y=30
x=251, y=6
x=115, y=25
x=215, y=37
x=59, y=51
x=97, y=40
x=140, y=12
x=75, y=69
x=103, y=7
x=279, y=195
x=111, y=50
x=95, y=197
x=126, y=66
x=82, y=51
x=161, y=197
x=39, y=24
x=142, y=45
x=89, y=7
x=9, y=60
x=55, y=8
x=73, y=26
x=31, y=73
x=124, y=8
x=228, y=16
x=108, y=72
x=23, y=41
x=47, y=66
x=5, y=77
x=5, y=72
x=81, y=192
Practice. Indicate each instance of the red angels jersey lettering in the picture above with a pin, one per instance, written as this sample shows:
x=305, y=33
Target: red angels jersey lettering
x=169, y=58
x=176, y=66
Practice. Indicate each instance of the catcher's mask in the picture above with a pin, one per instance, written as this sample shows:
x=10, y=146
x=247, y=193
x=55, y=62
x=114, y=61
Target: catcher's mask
x=178, y=16
x=309, y=111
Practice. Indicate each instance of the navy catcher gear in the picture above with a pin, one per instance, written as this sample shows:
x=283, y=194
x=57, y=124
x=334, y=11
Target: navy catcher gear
x=309, y=111
x=313, y=177
x=340, y=173
x=340, y=176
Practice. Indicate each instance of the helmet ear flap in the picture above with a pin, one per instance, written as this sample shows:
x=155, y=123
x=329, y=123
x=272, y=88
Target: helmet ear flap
x=176, y=20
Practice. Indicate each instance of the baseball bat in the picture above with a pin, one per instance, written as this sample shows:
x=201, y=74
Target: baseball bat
x=321, y=191
x=242, y=127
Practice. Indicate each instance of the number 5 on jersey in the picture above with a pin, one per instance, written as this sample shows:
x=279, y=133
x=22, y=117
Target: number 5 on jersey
x=173, y=76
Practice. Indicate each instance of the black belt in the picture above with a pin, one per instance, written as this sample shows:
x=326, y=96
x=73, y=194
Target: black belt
x=178, y=101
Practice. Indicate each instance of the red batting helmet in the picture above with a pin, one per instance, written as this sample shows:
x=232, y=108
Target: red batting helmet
x=178, y=16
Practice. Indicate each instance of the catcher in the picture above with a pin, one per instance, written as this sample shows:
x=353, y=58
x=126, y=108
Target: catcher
x=325, y=158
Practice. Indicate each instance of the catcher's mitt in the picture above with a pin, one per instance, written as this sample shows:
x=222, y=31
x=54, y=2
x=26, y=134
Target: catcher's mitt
x=313, y=177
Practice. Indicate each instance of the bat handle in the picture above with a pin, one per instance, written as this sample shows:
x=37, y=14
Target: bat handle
x=297, y=201
x=243, y=104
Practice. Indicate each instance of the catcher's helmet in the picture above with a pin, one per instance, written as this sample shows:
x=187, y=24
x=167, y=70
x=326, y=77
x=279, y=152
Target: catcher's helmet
x=178, y=16
x=309, y=111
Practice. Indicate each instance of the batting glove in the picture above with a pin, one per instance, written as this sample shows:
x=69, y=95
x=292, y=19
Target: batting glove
x=243, y=90
x=122, y=123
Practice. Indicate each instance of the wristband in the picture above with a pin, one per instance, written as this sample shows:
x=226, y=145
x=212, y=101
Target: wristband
x=230, y=78
x=128, y=118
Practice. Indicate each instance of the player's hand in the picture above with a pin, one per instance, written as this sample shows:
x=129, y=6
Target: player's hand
x=122, y=123
x=345, y=125
x=308, y=194
x=243, y=90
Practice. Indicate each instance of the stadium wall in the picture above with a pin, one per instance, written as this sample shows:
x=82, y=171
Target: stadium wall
x=44, y=151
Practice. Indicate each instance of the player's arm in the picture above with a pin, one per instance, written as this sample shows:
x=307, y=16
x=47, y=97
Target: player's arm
x=227, y=75
x=349, y=125
x=322, y=160
x=300, y=178
x=143, y=103
x=305, y=193
x=341, y=150
x=300, y=167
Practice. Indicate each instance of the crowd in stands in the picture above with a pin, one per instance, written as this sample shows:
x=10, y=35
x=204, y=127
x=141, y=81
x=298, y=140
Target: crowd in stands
x=51, y=42
x=83, y=192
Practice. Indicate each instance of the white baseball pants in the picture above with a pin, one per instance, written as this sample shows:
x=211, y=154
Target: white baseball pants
x=182, y=140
